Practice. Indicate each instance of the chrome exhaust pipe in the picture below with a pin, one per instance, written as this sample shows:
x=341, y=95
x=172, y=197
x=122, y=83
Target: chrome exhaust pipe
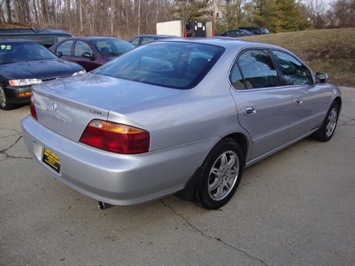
x=104, y=206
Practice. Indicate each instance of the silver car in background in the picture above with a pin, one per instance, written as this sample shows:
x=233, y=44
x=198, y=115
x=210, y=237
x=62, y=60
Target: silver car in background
x=174, y=116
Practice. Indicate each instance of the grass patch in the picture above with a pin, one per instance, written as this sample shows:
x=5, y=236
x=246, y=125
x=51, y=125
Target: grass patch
x=331, y=51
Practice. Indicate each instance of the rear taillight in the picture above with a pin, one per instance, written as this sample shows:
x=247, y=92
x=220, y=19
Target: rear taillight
x=116, y=138
x=33, y=108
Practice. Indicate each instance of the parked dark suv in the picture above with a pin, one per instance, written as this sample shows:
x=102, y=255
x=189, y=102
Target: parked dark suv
x=256, y=30
x=45, y=37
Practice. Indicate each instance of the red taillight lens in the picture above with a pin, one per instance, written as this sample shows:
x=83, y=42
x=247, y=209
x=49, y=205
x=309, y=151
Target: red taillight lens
x=33, y=108
x=116, y=137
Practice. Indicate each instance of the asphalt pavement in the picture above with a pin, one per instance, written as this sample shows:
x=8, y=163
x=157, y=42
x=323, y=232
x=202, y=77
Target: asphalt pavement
x=296, y=207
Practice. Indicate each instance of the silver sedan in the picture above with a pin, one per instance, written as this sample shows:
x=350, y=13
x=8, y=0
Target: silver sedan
x=175, y=116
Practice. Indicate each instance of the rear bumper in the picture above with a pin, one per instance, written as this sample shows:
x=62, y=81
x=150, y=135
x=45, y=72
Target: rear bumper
x=115, y=178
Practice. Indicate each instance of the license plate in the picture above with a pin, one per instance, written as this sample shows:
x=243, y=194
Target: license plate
x=51, y=159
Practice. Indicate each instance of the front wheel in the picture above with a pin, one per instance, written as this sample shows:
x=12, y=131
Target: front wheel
x=220, y=174
x=4, y=104
x=327, y=129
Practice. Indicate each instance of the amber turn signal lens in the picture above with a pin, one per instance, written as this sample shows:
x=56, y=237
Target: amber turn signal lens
x=25, y=94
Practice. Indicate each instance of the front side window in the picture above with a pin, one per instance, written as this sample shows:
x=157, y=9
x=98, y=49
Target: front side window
x=82, y=47
x=65, y=48
x=293, y=71
x=254, y=69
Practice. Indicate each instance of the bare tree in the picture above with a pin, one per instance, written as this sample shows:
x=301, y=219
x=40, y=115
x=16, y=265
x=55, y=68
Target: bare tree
x=342, y=14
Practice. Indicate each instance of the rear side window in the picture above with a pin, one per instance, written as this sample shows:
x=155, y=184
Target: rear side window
x=254, y=69
x=147, y=39
x=293, y=71
x=46, y=40
x=135, y=41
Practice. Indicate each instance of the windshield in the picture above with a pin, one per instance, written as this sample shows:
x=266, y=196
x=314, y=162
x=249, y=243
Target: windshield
x=168, y=64
x=112, y=47
x=12, y=52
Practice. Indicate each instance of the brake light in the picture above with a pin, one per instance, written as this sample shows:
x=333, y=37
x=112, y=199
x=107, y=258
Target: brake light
x=33, y=108
x=115, y=137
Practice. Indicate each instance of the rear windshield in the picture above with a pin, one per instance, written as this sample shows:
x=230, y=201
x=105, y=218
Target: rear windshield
x=168, y=64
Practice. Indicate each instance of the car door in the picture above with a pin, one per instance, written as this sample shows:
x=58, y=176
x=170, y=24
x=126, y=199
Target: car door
x=89, y=63
x=308, y=109
x=263, y=104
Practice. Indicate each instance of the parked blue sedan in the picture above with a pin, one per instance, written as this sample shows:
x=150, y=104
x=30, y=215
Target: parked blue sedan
x=175, y=116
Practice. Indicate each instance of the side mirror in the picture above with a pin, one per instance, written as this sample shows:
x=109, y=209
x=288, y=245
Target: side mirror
x=88, y=55
x=59, y=54
x=322, y=77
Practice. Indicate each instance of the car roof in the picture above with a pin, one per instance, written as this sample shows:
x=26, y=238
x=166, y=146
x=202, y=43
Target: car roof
x=221, y=41
x=229, y=43
x=14, y=40
x=239, y=30
x=31, y=31
x=155, y=35
x=90, y=38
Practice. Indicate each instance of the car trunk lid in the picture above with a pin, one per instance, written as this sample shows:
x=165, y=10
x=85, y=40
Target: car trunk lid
x=66, y=106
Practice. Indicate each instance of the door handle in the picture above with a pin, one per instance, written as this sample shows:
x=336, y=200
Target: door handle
x=250, y=111
x=299, y=101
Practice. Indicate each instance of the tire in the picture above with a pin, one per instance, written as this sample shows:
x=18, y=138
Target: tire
x=4, y=104
x=220, y=174
x=327, y=129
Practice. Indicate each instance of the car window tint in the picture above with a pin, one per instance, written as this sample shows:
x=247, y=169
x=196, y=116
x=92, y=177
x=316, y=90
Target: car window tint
x=112, y=47
x=168, y=64
x=293, y=71
x=23, y=51
x=135, y=41
x=237, y=79
x=65, y=48
x=103, y=47
x=257, y=71
x=82, y=47
x=147, y=39
x=44, y=40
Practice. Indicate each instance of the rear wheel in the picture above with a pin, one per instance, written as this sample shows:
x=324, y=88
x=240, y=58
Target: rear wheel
x=4, y=104
x=327, y=129
x=220, y=174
